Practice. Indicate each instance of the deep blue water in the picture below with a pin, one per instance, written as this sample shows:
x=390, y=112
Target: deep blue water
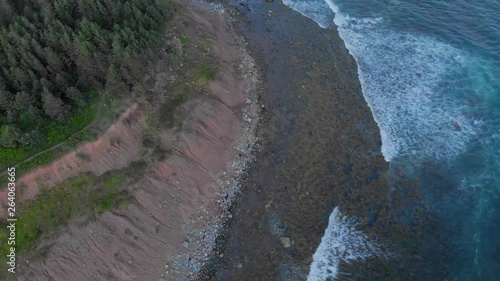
x=430, y=73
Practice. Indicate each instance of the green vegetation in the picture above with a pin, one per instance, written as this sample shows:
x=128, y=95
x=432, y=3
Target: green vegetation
x=165, y=117
x=77, y=139
x=37, y=161
x=61, y=131
x=56, y=56
x=175, y=56
x=110, y=195
x=53, y=52
x=206, y=43
x=20, y=154
x=82, y=196
x=179, y=99
x=56, y=132
x=184, y=40
x=50, y=155
x=205, y=74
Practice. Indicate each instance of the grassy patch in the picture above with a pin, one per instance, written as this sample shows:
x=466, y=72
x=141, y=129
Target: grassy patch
x=53, y=209
x=40, y=160
x=61, y=131
x=111, y=195
x=206, y=43
x=165, y=116
x=180, y=98
x=66, y=135
x=55, y=132
x=184, y=40
x=79, y=138
x=205, y=74
x=50, y=155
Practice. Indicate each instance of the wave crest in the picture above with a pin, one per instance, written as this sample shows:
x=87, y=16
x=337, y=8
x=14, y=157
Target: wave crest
x=341, y=242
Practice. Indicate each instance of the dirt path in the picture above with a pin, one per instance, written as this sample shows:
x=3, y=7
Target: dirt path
x=47, y=150
x=99, y=108
x=115, y=149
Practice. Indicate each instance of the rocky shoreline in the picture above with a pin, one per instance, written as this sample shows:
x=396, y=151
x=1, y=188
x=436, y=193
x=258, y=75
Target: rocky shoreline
x=285, y=93
x=320, y=150
x=205, y=231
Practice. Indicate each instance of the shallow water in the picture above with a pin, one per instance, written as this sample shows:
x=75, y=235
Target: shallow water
x=322, y=151
x=429, y=71
x=342, y=242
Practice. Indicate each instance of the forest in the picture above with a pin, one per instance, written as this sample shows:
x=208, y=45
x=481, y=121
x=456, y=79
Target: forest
x=53, y=53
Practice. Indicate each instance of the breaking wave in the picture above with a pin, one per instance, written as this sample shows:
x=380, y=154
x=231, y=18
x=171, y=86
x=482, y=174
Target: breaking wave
x=342, y=242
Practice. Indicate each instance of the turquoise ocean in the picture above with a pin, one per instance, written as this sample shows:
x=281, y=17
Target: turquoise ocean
x=430, y=73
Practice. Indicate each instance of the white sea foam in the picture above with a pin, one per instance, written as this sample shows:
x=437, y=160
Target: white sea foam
x=408, y=81
x=342, y=242
x=317, y=10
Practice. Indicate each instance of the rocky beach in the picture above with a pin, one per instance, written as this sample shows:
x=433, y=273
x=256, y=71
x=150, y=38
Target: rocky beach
x=320, y=151
x=252, y=151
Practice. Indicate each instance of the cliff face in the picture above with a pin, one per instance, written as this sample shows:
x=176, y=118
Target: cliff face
x=169, y=227
x=135, y=243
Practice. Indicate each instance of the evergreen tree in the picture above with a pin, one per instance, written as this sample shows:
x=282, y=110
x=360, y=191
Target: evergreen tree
x=6, y=99
x=53, y=60
x=52, y=105
x=115, y=82
x=10, y=136
x=74, y=94
x=53, y=51
x=23, y=101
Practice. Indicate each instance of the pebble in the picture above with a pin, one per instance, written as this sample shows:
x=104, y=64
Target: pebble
x=185, y=244
x=239, y=265
x=248, y=101
x=287, y=243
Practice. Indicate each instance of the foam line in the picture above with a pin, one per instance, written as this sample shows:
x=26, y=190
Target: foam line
x=410, y=82
x=342, y=242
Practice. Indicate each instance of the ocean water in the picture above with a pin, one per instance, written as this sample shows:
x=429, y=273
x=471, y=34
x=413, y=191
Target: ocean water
x=341, y=242
x=430, y=73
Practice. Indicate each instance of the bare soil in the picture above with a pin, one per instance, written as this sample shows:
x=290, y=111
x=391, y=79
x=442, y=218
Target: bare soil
x=115, y=149
x=167, y=232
